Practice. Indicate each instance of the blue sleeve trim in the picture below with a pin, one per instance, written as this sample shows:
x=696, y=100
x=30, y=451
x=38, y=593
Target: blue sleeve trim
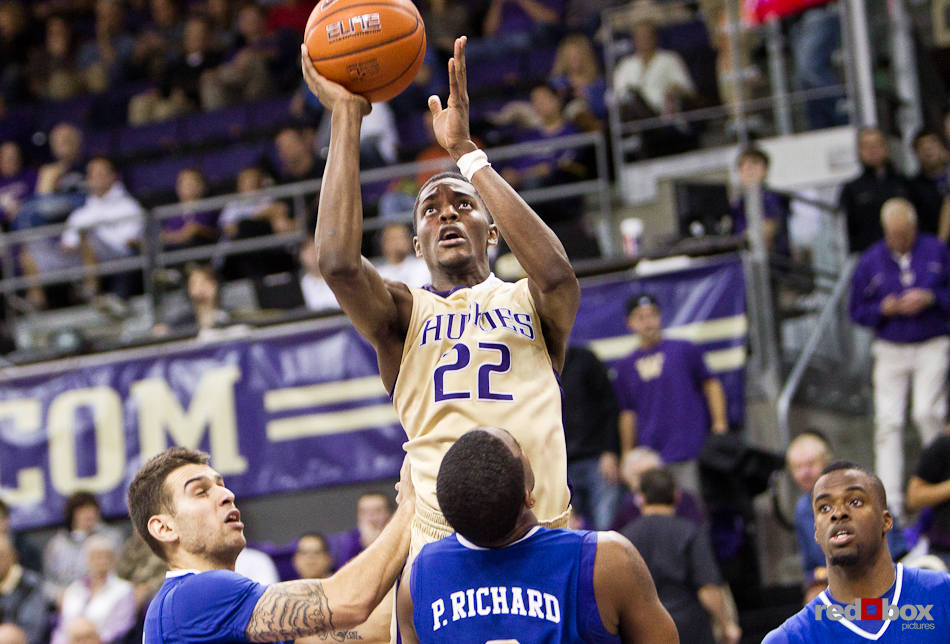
x=589, y=621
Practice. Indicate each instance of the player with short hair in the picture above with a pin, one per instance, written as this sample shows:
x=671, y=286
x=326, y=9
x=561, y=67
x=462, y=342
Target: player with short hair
x=503, y=577
x=187, y=516
x=851, y=524
x=468, y=349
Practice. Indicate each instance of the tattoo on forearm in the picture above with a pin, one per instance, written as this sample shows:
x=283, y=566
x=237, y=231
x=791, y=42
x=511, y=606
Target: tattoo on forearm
x=294, y=609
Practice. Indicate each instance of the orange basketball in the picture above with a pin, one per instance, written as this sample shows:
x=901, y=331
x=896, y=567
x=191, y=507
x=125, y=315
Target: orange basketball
x=372, y=47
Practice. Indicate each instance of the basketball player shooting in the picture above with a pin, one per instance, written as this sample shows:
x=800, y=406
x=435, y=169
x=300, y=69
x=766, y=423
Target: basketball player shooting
x=469, y=349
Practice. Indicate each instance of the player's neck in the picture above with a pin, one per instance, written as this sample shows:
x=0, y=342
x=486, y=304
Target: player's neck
x=190, y=561
x=871, y=579
x=446, y=280
x=526, y=521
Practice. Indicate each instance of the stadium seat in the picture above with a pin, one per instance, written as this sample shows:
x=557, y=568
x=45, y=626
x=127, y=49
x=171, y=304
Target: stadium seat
x=17, y=124
x=157, y=176
x=73, y=110
x=269, y=114
x=222, y=166
x=224, y=124
x=147, y=139
x=99, y=142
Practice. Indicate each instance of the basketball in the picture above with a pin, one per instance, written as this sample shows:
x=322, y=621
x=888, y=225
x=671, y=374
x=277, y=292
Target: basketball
x=372, y=47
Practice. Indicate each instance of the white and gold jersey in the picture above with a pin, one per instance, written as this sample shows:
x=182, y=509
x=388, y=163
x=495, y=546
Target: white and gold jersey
x=477, y=357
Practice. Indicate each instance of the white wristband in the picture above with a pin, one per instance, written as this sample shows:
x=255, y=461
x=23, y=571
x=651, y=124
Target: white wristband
x=471, y=162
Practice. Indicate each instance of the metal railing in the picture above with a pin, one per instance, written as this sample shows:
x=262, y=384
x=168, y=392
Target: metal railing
x=744, y=111
x=153, y=256
x=828, y=316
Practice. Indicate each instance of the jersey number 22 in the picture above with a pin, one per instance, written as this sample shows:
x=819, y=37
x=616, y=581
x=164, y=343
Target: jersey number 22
x=493, y=357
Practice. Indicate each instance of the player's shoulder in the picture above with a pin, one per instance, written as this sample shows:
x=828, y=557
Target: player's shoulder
x=543, y=537
x=797, y=629
x=445, y=545
x=400, y=291
x=614, y=549
x=213, y=582
x=521, y=287
x=925, y=582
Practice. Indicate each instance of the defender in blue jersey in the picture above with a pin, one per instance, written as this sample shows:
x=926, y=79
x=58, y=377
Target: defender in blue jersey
x=502, y=577
x=182, y=509
x=868, y=598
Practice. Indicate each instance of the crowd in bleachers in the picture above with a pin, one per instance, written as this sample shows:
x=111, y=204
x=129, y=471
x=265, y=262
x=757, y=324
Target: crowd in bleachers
x=183, y=98
x=193, y=98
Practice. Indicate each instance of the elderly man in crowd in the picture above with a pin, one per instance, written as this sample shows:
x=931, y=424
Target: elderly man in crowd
x=901, y=290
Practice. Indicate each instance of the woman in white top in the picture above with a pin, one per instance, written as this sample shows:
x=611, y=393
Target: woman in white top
x=100, y=596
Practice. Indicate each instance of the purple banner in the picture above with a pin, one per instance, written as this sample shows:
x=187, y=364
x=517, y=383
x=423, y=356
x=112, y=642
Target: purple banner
x=286, y=410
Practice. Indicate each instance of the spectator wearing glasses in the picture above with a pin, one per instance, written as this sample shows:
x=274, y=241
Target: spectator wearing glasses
x=312, y=558
x=901, y=290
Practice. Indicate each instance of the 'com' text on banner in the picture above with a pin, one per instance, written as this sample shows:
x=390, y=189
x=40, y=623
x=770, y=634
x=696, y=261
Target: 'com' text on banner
x=286, y=409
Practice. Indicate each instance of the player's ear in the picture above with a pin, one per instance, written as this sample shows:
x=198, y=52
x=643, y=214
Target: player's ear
x=493, y=235
x=888, y=521
x=162, y=528
x=529, y=499
x=416, y=246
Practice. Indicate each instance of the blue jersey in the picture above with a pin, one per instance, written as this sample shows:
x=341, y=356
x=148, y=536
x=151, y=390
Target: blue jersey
x=917, y=607
x=213, y=606
x=538, y=589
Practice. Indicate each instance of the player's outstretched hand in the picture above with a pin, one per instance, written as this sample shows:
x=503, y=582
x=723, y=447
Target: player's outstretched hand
x=451, y=122
x=405, y=492
x=332, y=95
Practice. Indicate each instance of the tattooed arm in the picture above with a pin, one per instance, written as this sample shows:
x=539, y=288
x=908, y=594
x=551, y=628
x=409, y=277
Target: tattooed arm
x=329, y=607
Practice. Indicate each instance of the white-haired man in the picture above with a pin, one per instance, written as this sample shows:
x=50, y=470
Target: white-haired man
x=901, y=290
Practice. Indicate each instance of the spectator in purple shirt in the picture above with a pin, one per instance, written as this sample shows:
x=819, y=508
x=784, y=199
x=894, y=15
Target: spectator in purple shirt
x=193, y=226
x=669, y=400
x=373, y=511
x=901, y=290
x=553, y=166
x=753, y=167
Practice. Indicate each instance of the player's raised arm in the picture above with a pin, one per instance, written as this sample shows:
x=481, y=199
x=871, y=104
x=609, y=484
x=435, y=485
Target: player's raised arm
x=358, y=288
x=538, y=250
x=331, y=606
